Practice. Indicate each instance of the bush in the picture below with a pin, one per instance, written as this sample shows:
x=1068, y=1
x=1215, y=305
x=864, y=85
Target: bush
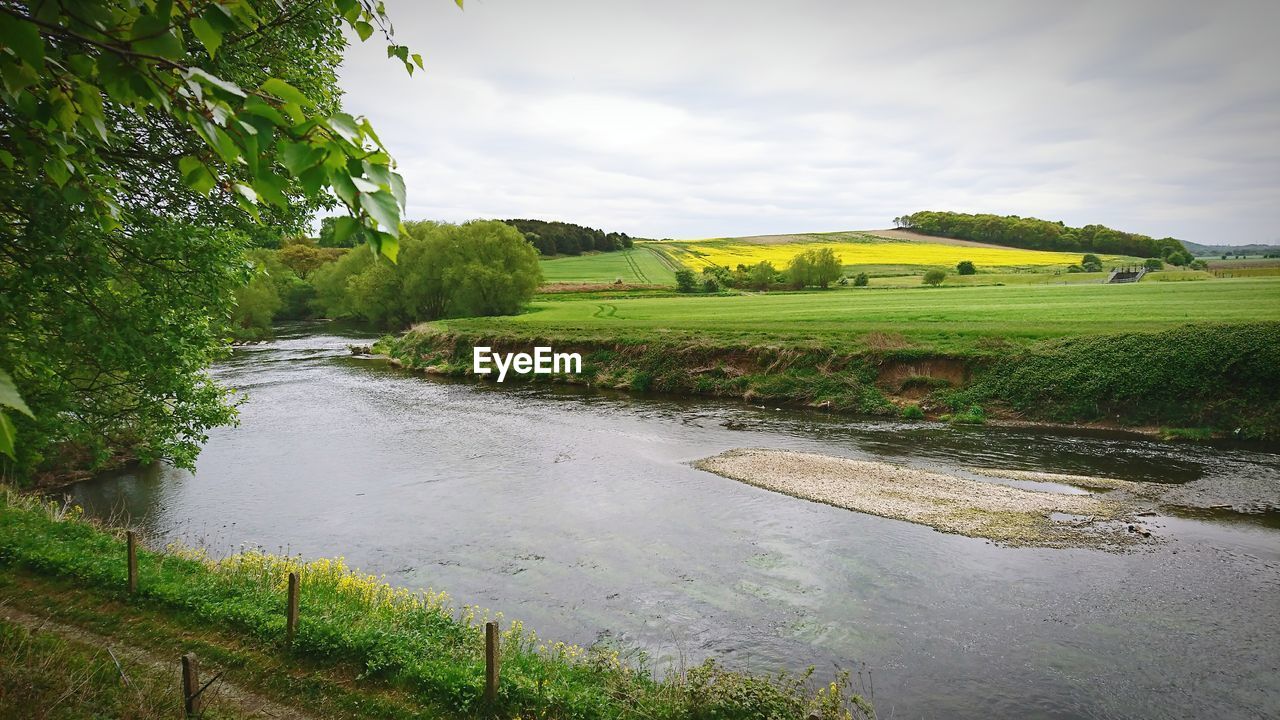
x=966, y=267
x=685, y=280
x=975, y=415
x=861, y=280
x=1074, y=269
x=1091, y=263
x=474, y=269
x=912, y=412
x=710, y=285
x=1153, y=264
x=934, y=277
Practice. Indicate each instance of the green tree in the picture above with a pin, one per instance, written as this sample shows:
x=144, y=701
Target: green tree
x=966, y=267
x=761, y=275
x=800, y=270
x=477, y=268
x=685, y=280
x=127, y=129
x=934, y=277
x=1091, y=263
x=861, y=280
x=1153, y=264
x=826, y=267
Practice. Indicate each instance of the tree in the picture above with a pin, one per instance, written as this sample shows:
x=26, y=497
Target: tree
x=819, y=267
x=129, y=130
x=761, y=275
x=1153, y=264
x=826, y=267
x=861, y=280
x=477, y=268
x=935, y=277
x=966, y=267
x=800, y=270
x=685, y=281
x=1091, y=263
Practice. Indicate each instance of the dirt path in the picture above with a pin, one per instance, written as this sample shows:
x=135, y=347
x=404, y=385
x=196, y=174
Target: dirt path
x=222, y=691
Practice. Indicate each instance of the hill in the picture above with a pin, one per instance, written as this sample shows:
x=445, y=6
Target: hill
x=1219, y=250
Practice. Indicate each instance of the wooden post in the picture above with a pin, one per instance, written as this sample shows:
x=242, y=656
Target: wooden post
x=491, y=661
x=191, y=700
x=291, y=619
x=131, y=539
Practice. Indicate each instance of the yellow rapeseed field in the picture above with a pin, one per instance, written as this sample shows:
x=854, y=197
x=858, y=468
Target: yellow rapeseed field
x=731, y=254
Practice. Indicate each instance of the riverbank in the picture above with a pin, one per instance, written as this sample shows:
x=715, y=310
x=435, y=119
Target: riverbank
x=948, y=503
x=362, y=649
x=1196, y=380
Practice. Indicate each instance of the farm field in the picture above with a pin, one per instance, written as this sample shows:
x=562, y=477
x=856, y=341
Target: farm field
x=870, y=253
x=945, y=318
x=636, y=265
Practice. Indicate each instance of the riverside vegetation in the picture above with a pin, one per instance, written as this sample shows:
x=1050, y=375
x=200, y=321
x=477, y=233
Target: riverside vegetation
x=1203, y=355
x=412, y=654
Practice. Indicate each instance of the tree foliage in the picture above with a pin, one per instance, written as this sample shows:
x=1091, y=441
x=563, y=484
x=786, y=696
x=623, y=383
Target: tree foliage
x=1035, y=234
x=966, y=267
x=562, y=238
x=934, y=277
x=819, y=267
x=144, y=145
x=477, y=268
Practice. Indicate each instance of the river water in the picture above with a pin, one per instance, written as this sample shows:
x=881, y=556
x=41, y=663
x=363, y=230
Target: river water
x=575, y=511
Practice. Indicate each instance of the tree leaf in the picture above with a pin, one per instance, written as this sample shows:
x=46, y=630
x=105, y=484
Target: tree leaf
x=215, y=81
x=196, y=175
x=343, y=227
x=7, y=436
x=382, y=207
x=283, y=90
x=9, y=396
x=207, y=34
x=24, y=39
x=363, y=29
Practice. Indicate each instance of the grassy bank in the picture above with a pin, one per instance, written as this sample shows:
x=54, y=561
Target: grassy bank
x=404, y=654
x=1041, y=361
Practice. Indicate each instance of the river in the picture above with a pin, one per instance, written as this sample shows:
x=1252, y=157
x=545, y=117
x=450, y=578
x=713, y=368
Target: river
x=576, y=511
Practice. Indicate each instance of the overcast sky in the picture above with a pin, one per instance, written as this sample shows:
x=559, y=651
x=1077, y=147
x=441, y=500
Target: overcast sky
x=704, y=118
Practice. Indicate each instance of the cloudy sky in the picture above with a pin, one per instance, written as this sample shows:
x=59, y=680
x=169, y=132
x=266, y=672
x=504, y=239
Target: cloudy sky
x=706, y=118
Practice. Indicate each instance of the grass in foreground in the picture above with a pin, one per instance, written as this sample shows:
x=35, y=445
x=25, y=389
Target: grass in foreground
x=943, y=319
x=412, y=646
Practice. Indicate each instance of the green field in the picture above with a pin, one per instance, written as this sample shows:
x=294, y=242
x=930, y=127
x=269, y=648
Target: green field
x=638, y=265
x=941, y=318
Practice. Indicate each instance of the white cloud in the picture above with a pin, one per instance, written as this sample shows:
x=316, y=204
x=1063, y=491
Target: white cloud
x=670, y=119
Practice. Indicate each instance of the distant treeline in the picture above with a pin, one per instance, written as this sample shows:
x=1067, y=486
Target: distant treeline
x=1034, y=234
x=562, y=238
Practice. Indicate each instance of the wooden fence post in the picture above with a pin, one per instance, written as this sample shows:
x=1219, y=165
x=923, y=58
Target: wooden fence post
x=131, y=540
x=192, y=703
x=491, y=661
x=291, y=619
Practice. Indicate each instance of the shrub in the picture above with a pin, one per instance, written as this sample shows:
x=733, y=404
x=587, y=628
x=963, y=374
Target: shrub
x=1091, y=263
x=966, y=267
x=1074, y=269
x=710, y=285
x=861, y=280
x=685, y=280
x=975, y=415
x=912, y=412
x=934, y=277
x=1153, y=264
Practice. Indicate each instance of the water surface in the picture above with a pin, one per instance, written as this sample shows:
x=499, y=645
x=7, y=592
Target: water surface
x=576, y=512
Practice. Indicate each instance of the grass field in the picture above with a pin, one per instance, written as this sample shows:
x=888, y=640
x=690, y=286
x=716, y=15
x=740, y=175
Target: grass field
x=637, y=265
x=940, y=318
x=868, y=253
